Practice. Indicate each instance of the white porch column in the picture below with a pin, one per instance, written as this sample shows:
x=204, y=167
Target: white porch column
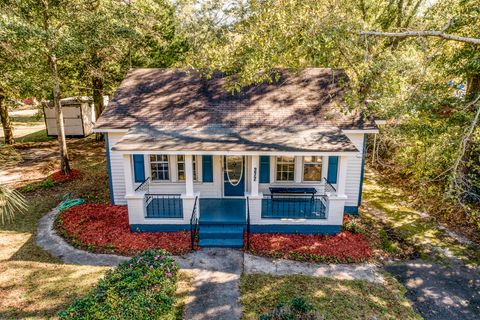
x=189, y=175
x=127, y=169
x=255, y=175
x=342, y=175
x=298, y=169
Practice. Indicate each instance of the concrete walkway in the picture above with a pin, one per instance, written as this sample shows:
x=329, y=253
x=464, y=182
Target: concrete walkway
x=216, y=272
x=50, y=241
x=367, y=272
x=215, y=289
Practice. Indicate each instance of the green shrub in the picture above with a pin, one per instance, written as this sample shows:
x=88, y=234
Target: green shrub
x=142, y=288
x=297, y=309
x=352, y=226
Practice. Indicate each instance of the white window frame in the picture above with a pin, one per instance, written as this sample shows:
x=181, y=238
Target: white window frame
x=315, y=162
x=277, y=163
x=169, y=171
x=196, y=167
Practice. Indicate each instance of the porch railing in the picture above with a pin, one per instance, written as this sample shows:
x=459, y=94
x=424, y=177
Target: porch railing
x=294, y=207
x=329, y=187
x=194, y=224
x=144, y=186
x=163, y=205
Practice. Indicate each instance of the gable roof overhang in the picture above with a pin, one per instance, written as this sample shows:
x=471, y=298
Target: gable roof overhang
x=223, y=140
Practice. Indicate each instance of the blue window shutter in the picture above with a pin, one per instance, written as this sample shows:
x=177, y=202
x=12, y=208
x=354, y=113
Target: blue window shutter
x=139, y=167
x=332, y=169
x=264, y=169
x=207, y=168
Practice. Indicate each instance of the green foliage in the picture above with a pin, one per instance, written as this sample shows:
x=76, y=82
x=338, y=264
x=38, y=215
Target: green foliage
x=141, y=288
x=352, y=226
x=44, y=184
x=12, y=202
x=298, y=308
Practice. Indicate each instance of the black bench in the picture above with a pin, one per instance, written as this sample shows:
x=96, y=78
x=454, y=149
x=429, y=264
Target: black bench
x=290, y=190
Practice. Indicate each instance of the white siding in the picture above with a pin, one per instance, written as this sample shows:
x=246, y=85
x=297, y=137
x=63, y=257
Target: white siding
x=207, y=190
x=116, y=169
x=215, y=188
x=354, y=170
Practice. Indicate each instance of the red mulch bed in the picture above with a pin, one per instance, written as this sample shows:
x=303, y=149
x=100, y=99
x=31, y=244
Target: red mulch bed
x=58, y=176
x=345, y=247
x=105, y=228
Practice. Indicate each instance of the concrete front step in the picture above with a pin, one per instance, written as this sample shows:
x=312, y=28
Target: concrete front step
x=221, y=243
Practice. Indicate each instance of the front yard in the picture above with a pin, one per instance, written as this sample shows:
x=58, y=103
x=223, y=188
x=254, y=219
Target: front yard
x=330, y=298
x=34, y=284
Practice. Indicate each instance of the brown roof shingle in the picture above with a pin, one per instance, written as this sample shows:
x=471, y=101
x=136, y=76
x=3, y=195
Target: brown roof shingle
x=172, y=100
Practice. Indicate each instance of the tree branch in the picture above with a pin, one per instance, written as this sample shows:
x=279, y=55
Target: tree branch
x=406, y=34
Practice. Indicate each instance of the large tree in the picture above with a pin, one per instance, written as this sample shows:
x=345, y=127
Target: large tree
x=402, y=78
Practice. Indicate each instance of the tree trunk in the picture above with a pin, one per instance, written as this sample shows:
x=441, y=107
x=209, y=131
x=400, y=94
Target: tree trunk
x=52, y=62
x=473, y=87
x=97, y=84
x=62, y=141
x=5, y=118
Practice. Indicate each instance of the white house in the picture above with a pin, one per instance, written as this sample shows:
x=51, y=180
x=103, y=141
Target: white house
x=283, y=157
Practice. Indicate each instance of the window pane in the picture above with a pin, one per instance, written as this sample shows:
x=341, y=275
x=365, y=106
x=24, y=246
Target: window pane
x=312, y=172
x=159, y=167
x=312, y=168
x=181, y=168
x=285, y=168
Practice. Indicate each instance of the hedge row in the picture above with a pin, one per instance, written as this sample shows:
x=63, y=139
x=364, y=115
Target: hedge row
x=141, y=288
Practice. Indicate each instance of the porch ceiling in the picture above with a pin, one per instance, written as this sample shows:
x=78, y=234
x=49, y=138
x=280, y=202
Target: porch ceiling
x=220, y=138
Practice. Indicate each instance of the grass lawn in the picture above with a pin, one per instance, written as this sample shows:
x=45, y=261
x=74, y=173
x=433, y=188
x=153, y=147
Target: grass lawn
x=383, y=201
x=33, y=284
x=332, y=299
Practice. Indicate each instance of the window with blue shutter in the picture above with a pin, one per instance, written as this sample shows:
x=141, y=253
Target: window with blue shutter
x=139, y=167
x=264, y=169
x=207, y=168
x=332, y=169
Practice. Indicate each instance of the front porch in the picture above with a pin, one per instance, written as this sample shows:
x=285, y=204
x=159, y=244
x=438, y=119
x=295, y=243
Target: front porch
x=200, y=202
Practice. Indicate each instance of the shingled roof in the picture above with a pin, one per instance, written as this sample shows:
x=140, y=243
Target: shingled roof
x=166, y=102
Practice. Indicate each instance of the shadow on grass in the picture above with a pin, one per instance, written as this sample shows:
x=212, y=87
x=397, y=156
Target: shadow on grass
x=416, y=228
x=39, y=290
x=331, y=298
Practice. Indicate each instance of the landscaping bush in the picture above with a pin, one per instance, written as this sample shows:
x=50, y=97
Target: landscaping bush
x=105, y=228
x=351, y=224
x=345, y=247
x=142, y=288
x=297, y=309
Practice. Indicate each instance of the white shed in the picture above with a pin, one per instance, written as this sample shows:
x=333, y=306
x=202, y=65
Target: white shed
x=78, y=116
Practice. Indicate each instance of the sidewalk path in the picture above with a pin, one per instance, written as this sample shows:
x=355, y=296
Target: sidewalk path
x=365, y=271
x=215, y=289
x=48, y=240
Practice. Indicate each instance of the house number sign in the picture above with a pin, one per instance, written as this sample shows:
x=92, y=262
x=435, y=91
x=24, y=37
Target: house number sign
x=254, y=174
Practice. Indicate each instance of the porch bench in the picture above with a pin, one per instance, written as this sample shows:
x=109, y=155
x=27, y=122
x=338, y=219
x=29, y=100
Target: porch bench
x=291, y=190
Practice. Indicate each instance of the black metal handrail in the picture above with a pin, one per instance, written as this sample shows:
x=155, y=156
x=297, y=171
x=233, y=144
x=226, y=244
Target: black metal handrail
x=194, y=224
x=294, y=206
x=248, y=224
x=144, y=186
x=329, y=187
x=164, y=205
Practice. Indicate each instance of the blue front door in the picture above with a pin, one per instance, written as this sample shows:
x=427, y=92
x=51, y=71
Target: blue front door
x=234, y=176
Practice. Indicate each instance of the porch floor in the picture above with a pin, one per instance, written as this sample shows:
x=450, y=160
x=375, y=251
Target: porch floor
x=227, y=211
